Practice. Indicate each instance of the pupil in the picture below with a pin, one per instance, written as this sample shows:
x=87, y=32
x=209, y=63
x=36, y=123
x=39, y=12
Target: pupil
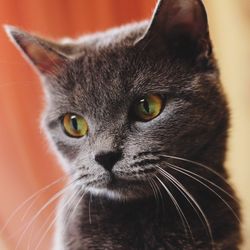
x=146, y=106
x=74, y=123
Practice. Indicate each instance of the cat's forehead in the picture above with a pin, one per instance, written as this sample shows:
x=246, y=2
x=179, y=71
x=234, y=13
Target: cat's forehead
x=102, y=59
x=115, y=77
x=111, y=75
x=124, y=71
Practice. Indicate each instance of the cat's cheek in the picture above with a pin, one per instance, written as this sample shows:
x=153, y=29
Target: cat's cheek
x=68, y=151
x=65, y=153
x=64, y=162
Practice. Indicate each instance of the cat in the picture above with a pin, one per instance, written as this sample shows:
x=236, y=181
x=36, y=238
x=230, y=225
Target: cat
x=138, y=118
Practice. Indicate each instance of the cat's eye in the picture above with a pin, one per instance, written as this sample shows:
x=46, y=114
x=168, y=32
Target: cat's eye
x=148, y=108
x=75, y=125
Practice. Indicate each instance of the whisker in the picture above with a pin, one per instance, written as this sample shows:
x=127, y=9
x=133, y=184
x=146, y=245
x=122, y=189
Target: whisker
x=205, y=179
x=182, y=216
x=198, y=164
x=66, y=215
x=29, y=199
x=50, y=216
x=29, y=208
x=189, y=174
x=77, y=204
x=70, y=214
x=37, y=214
x=71, y=199
x=90, y=200
x=191, y=201
x=155, y=194
x=49, y=202
x=160, y=195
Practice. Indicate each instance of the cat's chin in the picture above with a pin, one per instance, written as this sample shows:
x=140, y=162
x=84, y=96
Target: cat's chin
x=120, y=189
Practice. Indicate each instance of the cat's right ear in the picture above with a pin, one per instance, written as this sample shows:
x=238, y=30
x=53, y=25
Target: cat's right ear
x=40, y=52
x=182, y=27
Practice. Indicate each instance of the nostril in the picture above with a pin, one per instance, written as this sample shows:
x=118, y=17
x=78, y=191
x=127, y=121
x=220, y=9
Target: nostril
x=108, y=159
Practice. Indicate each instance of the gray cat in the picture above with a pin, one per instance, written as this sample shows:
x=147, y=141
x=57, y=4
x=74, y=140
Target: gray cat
x=138, y=118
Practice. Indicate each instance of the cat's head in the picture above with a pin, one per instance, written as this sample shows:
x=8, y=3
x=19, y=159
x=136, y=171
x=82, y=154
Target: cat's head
x=119, y=103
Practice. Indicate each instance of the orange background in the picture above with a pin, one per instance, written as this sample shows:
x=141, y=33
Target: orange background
x=26, y=164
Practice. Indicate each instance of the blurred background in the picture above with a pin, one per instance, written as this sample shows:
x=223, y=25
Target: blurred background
x=26, y=164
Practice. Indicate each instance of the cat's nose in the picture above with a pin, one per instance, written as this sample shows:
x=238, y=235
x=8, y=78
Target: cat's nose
x=108, y=159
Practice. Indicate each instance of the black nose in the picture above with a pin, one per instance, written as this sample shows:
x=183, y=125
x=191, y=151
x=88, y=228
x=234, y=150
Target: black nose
x=108, y=159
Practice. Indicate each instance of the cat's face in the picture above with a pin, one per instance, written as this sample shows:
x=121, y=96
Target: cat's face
x=121, y=102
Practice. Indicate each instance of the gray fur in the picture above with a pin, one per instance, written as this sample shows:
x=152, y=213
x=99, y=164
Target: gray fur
x=100, y=78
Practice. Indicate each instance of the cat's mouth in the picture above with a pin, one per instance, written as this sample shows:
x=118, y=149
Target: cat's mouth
x=118, y=182
x=115, y=186
x=112, y=181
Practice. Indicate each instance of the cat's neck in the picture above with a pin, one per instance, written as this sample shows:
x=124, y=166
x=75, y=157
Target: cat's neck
x=132, y=221
x=152, y=218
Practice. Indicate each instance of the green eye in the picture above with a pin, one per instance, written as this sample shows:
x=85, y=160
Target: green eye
x=75, y=125
x=149, y=107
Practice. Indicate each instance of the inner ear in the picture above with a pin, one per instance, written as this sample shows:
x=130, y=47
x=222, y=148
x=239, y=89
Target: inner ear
x=45, y=59
x=38, y=51
x=181, y=25
x=181, y=16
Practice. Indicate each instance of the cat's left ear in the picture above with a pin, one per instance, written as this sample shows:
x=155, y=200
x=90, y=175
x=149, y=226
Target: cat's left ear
x=182, y=26
x=41, y=53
